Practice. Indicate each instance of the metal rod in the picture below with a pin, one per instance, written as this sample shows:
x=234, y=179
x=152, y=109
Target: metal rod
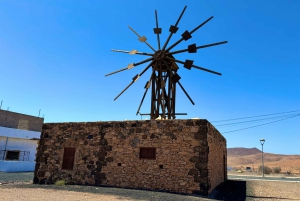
x=166, y=114
x=135, y=64
x=158, y=39
x=134, y=31
x=174, y=100
x=1, y=104
x=145, y=69
x=262, y=159
x=150, y=46
x=207, y=70
x=140, y=36
x=190, y=33
x=134, y=80
x=169, y=86
x=144, y=61
x=153, y=96
x=201, y=25
x=179, y=41
x=213, y=44
x=159, y=92
x=199, y=47
x=116, y=72
x=180, y=16
x=125, y=51
x=167, y=41
x=123, y=90
x=152, y=81
x=186, y=93
x=198, y=67
x=169, y=95
x=169, y=98
x=5, y=146
x=138, y=111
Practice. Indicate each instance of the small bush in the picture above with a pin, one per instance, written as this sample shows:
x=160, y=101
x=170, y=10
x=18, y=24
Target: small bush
x=60, y=183
x=276, y=170
x=267, y=170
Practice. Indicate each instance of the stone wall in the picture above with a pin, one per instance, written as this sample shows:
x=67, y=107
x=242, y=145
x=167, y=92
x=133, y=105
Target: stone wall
x=20, y=121
x=107, y=154
x=217, y=158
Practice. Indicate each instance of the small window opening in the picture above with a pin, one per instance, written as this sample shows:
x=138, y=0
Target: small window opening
x=148, y=153
x=12, y=155
x=119, y=164
x=161, y=167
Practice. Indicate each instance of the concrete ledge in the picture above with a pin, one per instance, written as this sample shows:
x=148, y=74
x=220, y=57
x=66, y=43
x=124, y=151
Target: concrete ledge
x=17, y=166
x=16, y=133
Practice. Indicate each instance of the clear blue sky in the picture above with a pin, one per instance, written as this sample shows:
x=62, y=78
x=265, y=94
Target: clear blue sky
x=54, y=55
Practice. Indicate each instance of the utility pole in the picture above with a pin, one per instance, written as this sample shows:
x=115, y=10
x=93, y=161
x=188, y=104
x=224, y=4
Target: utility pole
x=262, y=141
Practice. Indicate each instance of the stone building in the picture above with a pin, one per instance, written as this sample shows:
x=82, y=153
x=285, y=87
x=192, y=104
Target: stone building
x=183, y=156
x=19, y=136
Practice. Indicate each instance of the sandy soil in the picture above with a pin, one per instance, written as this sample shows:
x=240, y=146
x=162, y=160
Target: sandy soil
x=18, y=186
x=20, y=192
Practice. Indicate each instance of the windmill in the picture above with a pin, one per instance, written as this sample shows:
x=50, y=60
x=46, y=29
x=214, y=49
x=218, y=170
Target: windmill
x=164, y=77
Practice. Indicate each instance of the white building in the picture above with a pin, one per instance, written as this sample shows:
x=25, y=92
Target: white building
x=19, y=136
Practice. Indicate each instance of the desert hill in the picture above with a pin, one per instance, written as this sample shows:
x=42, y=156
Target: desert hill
x=242, y=151
x=251, y=157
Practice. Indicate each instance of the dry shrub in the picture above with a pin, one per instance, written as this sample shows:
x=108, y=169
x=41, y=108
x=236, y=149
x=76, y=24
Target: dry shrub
x=276, y=170
x=267, y=170
x=60, y=183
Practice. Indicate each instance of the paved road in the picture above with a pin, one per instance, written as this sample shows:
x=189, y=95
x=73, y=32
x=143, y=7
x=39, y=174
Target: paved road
x=16, y=177
x=267, y=178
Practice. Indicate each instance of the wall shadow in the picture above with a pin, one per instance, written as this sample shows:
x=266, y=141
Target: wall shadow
x=230, y=190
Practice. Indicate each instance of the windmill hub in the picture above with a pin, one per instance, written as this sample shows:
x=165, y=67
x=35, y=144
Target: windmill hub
x=162, y=62
x=159, y=55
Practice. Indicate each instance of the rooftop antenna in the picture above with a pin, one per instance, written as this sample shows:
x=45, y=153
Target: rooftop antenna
x=1, y=104
x=39, y=112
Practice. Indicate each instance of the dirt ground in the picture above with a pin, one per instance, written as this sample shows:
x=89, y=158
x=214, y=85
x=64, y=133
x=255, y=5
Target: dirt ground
x=18, y=186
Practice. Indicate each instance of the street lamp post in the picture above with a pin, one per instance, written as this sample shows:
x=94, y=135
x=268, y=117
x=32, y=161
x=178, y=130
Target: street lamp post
x=262, y=141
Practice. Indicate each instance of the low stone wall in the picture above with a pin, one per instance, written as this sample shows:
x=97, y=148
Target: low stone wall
x=108, y=154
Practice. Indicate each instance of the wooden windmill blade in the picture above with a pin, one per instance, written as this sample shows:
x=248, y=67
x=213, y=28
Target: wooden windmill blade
x=164, y=76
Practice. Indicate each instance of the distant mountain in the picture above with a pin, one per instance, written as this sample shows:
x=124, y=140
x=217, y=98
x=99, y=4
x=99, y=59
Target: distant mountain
x=251, y=157
x=240, y=151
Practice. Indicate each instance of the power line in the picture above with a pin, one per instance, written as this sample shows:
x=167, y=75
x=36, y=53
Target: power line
x=256, y=116
x=260, y=124
x=250, y=121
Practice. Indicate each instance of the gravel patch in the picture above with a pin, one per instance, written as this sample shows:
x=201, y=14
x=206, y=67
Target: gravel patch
x=272, y=190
